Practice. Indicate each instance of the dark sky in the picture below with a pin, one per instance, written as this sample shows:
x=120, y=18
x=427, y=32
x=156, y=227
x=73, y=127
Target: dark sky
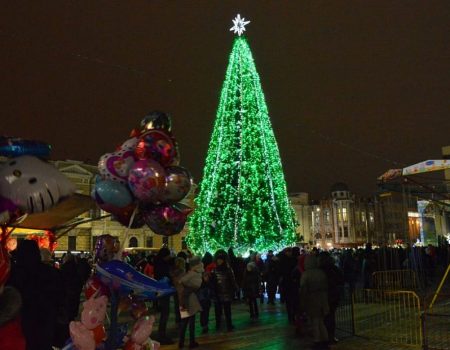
x=350, y=85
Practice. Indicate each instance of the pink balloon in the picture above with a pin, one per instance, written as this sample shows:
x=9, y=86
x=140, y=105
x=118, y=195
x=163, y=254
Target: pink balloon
x=146, y=180
x=116, y=166
x=142, y=330
x=82, y=338
x=166, y=220
x=94, y=311
x=177, y=186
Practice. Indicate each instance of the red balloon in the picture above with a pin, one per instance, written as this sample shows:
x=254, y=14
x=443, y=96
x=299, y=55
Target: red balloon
x=94, y=285
x=157, y=145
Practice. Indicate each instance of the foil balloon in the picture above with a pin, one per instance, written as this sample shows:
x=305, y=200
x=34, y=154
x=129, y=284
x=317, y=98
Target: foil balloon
x=146, y=180
x=156, y=120
x=138, y=309
x=157, y=145
x=9, y=212
x=130, y=144
x=177, y=186
x=165, y=220
x=106, y=248
x=112, y=193
x=15, y=147
x=94, y=286
x=94, y=311
x=33, y=185
x=116, y=166
x=123, y=277
x=124, y=216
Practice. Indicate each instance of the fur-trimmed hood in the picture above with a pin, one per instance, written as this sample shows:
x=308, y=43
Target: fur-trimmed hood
x=10, y=303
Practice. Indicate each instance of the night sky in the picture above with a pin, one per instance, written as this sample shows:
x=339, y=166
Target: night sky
x=352, y=87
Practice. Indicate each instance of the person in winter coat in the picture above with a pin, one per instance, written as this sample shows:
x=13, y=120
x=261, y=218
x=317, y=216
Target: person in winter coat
x=42, y=291
x=251, y=286
x=314, y=299
x=188, y=284
x=223, y=285
x=272, y=277
x=336, y=282
x=162, y=270
x=204, y=293
x=73, y=285
x=11, y=336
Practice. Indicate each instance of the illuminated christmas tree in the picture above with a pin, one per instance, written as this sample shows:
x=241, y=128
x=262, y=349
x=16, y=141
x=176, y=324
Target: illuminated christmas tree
x=243, y=201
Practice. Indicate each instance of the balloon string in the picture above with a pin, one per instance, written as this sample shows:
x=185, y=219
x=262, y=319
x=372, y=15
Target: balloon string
x=125, y=236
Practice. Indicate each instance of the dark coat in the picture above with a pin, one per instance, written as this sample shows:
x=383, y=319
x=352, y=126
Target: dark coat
x=335, y=279
x=11, y=336
x=42, y=292
x=251, y=283
x=272, y=275
x=223, y=283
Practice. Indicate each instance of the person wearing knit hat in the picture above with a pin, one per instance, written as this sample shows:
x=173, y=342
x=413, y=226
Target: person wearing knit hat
x=190, y=283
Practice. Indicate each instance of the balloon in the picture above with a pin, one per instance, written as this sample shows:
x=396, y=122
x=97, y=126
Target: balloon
x=146, y=180
x=156, y=145
x=177, y=186
x=130, y=144
x=33, y=185
x=123, y=277
x=138, y=309
x=165, y=219
x=82, y=337
x=106, y=248
x=9, y=212
x=116, y=166
x=11, y=244
x=124, y=216
x=16, y=147
x=95, y=286
x=112, y=193
x=94, y=311
x=156, y=120
x=142, y=329
x=124, y=303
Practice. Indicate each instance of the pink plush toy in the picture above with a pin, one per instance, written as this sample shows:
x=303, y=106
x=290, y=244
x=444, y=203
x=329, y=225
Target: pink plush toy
x=140, y=335
x=90, y=330
x=82, y=338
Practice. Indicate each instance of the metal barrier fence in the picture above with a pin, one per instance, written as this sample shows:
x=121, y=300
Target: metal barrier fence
x=436, y=329
x=395, y=280
x=345, y=325
x=390, y=316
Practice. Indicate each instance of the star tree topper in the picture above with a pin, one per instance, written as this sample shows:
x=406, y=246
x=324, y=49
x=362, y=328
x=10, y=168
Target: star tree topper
x=239, y=25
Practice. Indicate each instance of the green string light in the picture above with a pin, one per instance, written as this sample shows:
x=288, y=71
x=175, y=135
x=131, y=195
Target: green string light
x=243, y=201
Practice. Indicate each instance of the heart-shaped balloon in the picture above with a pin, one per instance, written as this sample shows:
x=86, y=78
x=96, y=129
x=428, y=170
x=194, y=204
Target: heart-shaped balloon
x=130, y=144
x=116, y=166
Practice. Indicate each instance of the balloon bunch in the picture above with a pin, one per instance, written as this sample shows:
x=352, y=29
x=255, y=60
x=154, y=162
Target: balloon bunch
x=143, y=177
x=88, y=333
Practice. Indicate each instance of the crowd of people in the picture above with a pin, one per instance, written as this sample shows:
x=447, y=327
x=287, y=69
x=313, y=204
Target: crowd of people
x=41, y=297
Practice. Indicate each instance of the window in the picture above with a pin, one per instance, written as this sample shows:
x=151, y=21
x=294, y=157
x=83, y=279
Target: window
x=133, y=242
x=345, y=231
x=327, y=216
x=371, y=218
x=363, y=216
x=149, y=242
x=72, y=243
x=165, y=241
x=339, y=214
x=344, y=214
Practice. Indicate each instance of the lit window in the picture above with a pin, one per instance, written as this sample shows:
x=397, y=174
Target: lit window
x=344, y=214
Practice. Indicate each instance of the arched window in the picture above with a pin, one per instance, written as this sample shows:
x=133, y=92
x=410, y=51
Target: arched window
x=133, y=242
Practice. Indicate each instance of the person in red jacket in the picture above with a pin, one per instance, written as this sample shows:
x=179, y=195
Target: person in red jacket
x=11, y=336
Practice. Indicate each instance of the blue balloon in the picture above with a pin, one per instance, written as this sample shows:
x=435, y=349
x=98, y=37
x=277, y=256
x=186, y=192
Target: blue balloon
x=112, y=193
x=15, y=147
x=123, y=277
